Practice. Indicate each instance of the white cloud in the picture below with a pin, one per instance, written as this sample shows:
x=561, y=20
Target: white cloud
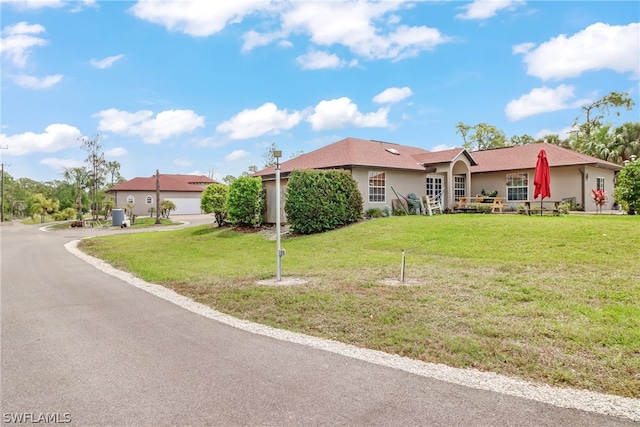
x=563, y=133
x=56, y=137
x=183, y=162
x=106, y=62
x=597, y=47
x=18, y=41
x=483, y=9
x=253, y=39
x=41, y=4
x=352, y=24
x=542, y=100
x=392, y=94
x=236, y=155
x=266, y=119
x=316, y=60
x=61, y=164
x=165, y=125
x=198, y=18
x=441, y=147
x=369, y=29
x=285, y=44
x=34, y=4
x=342, y=112
x=32, y=82
x=116, y=152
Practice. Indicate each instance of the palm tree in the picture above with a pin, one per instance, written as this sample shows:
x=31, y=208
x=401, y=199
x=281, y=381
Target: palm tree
x=79, y=178
x=167, y=206
x=42, y=206
x=108, y=205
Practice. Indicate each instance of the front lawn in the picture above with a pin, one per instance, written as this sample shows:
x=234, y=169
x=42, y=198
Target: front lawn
x=550, y=299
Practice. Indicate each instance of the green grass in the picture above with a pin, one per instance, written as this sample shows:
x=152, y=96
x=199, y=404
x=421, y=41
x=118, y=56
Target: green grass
x=551, y=299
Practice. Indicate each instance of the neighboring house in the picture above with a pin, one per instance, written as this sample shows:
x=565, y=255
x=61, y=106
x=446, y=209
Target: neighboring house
x=184, y=191
x=510, y=171
x=379, y=168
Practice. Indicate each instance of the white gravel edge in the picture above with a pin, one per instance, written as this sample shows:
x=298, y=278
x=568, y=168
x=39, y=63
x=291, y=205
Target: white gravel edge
x=566, y=398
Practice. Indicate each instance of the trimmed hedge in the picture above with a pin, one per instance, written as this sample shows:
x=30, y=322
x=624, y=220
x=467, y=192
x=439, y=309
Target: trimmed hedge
x=319, y=200
x=245, y=202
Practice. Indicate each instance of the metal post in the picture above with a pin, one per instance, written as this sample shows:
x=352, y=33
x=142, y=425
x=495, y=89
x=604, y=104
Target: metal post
x=2, y=192
x=2, y=203
x=277, y=154
x=402, y=268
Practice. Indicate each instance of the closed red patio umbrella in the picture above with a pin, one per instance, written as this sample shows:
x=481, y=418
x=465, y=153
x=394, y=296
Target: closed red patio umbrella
x=542, y=178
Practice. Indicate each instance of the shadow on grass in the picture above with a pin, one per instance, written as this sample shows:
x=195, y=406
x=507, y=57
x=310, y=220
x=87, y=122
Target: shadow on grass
x=223, y=233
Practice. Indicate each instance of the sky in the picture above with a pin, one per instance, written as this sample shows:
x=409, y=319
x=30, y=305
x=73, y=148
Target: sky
x=204, y=87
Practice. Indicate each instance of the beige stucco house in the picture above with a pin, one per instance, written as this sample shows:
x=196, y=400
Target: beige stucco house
x=510, y=171
x=184, y=191
x=380, y=168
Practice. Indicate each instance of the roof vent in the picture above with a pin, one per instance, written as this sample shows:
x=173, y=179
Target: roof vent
x=393, y=151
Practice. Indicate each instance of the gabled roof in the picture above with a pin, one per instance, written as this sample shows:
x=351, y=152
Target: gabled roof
x=184, y=183
x=444, y=156
x=526, y=156
x=363, y=152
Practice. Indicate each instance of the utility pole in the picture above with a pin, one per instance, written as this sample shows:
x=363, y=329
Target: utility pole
x=2, y=191
x=279, y=252
x=157, y=196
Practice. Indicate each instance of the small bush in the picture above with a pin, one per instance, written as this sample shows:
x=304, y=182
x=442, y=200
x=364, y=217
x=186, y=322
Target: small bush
x=374, y=213
x=65, y=214
x=245, y=201
x=321, y=200
x=627, y=190
x=214, y=200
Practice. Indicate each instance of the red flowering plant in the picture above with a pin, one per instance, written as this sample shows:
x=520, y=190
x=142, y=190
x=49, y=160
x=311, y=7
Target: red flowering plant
x=600, y=198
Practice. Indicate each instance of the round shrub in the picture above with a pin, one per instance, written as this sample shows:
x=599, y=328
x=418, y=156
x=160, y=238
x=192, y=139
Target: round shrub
x=322, y=200
x=245, y=201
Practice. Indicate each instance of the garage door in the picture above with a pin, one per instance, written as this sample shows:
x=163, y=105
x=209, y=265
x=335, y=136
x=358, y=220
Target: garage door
x=186, y=206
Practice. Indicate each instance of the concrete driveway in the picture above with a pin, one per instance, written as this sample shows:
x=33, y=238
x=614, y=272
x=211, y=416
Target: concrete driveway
x=82, y=346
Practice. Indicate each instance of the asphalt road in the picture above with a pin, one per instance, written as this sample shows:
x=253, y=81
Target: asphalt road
x=83, y=347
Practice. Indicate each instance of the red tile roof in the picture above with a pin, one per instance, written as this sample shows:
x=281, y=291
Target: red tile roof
x=363, y=152
x=526, y=156
x=168, y=182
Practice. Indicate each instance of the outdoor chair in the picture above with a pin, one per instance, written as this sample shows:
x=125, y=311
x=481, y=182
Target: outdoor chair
x=414, y=204
x=431, y=205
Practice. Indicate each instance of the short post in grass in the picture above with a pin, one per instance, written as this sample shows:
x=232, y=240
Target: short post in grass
x=402, y=268
x=277, y=154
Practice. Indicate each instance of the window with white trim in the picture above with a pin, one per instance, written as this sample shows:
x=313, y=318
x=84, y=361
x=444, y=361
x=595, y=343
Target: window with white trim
x=600, y=183
x=434, y=186
x=131, y=199
x=149, y=200
x=517, y=187
x=459, y=186
x=377, y=187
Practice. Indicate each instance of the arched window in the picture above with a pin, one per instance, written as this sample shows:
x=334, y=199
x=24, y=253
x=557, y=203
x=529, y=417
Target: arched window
x=149, y=200
x=131, y=199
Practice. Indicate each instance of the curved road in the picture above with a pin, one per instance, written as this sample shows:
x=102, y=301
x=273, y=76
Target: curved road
x=83, y=347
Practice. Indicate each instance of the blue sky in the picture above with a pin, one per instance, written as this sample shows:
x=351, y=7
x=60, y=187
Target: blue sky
x=204, y=87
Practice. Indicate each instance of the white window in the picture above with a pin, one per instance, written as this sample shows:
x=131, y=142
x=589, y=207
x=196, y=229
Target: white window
x=600, y=183
x=517, y=186
x=377, y=187
x=459, y=186
x=149, y=200
x=131, y=199
x=434, y=186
